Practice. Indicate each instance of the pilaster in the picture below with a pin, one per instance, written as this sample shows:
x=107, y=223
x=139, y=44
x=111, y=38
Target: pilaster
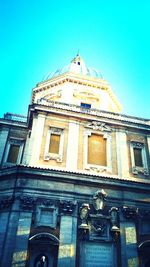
x=3, y=138
x=122, y=154
x=68, y=232
x=22, y=238
x=36, y=138
x=72, y=148
x=10, y=236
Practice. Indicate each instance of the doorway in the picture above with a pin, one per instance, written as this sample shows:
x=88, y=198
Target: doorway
x=43, y=250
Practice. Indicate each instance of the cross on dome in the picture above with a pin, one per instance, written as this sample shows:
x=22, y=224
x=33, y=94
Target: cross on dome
x=77, y=66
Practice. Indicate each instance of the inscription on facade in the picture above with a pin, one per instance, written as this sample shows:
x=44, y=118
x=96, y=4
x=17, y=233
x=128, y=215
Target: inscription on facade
x=96, y=255
x=130, y=235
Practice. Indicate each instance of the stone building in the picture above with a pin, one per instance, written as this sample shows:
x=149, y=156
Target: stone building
x=75, y=177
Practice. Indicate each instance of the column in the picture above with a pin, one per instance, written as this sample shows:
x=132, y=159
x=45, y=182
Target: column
x=128, y=238
x=36, y=139
x=10, y=237
x=3, y=138
x=73, y=143
x=22, y=238
x=67, y=247
x=3, y=229
x=148, y=141
x=122, y=154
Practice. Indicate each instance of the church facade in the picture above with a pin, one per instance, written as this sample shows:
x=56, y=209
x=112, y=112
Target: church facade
x=75, y=177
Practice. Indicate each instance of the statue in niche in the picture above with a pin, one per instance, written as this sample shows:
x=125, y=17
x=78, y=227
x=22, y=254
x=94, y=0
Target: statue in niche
x=42, y=262
x=98, y=200
x=84, y=213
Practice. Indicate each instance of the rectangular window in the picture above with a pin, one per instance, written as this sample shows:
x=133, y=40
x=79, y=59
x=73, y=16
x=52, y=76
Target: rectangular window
x=97, y=150
x=85, y=105
x=13, y=153
x=46, y=217
x=54, y=144
x=138, y=157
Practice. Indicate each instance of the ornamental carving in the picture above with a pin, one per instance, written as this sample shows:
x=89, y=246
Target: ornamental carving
x=84, y=213
x=85, y=94
x=99, y=227
x=96, y=221
x=99, y=198
x=49, y=156
x=100, y=126
x=114, y=219
x=130, y=212
x=27, y=202
x=140, y=170
x=137, y=144
x=6, y=202
x=67, y=206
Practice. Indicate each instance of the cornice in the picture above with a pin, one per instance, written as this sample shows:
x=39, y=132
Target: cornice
x=91, y=114
x=79, y=177
x=75, y=79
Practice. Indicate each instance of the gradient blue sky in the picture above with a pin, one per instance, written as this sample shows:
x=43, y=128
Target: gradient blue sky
x=39, y=36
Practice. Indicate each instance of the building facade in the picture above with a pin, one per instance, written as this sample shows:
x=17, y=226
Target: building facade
x=75, y=177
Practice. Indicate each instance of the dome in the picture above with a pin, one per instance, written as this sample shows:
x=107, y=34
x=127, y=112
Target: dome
x=77, y=65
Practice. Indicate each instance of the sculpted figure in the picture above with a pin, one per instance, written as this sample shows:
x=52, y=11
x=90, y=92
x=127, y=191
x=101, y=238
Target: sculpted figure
x=84, y=212
x=98, y=199
x=114, y=218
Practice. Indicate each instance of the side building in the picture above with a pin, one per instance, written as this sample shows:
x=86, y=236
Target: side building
x=75, y=177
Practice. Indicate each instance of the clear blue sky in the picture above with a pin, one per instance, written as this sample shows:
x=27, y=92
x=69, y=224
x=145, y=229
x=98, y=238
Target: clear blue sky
x=38, y=36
